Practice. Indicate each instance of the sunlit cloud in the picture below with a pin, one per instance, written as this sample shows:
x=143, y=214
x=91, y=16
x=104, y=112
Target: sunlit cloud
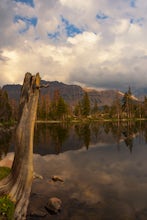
x=97, y=44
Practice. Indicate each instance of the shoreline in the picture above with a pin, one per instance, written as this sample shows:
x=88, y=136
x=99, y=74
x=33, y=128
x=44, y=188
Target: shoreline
x=91, y=120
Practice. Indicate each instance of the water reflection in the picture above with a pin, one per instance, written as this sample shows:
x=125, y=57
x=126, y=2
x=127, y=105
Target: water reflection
x=57, y=138
x=101, y=183
x=103, y=167
x=84, y=133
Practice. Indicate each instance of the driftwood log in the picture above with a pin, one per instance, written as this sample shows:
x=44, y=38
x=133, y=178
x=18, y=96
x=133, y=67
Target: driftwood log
x=18, y=184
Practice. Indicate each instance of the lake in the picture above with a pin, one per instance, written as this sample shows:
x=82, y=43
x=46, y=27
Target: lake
x=103, y=165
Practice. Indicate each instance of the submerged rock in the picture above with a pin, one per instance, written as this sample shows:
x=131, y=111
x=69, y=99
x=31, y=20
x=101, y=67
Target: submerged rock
x=53, y=205
x=142, y=214
x=38, y=213
x=36, y=175
x=57, y=178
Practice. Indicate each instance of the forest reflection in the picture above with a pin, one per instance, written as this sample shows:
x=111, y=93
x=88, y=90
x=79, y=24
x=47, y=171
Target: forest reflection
x=54, y=138
x=60, y=137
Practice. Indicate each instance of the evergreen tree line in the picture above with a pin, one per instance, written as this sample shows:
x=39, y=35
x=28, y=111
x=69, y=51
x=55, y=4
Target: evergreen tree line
x=57, y=109
x=5, y=107
x=125, y=108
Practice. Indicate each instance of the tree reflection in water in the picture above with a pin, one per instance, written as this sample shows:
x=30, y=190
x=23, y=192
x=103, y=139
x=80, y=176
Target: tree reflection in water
x=100, y=181
x=61, y=137
x=83, y=131
x=59, y=133
x=54, y=138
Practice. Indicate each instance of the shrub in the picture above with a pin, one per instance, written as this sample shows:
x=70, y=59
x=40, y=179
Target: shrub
x=6, y=208
x=4, y=171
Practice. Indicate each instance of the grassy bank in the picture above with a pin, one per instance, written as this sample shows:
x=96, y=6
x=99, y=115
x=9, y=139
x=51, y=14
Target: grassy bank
x=6, y=205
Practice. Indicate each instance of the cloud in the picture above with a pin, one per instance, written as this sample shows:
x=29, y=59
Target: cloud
x=98, y=44
x=101, y=16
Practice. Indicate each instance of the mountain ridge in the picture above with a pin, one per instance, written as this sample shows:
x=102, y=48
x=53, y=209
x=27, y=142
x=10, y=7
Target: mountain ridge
x=72, y=94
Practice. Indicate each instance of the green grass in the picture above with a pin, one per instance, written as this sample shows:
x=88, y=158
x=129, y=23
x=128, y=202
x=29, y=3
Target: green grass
x=4, y=171
x=7, y=208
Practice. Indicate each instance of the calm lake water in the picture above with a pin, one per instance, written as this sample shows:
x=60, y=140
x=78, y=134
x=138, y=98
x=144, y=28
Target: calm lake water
x=104, y=168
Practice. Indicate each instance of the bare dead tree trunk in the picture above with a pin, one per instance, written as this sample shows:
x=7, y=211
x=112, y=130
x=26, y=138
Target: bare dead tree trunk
x=18, y=184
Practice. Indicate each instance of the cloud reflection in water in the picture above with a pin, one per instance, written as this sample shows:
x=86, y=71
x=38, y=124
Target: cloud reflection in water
x=100, y=182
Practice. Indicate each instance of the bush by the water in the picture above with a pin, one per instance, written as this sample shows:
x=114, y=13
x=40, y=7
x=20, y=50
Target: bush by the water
x=6, y=208
x=4, y=171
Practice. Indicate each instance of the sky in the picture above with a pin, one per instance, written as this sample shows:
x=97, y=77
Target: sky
x=94, y=43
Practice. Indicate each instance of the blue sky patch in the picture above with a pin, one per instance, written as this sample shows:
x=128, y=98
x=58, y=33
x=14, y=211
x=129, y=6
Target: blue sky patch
x=133, y=3
x=27, y=2
x=28, y=22
x=102, y=16
x=55, y=35
x=71, y=29
x=138, y=21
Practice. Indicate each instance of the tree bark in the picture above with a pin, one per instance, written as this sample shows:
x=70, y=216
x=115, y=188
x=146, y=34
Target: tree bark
x=18, y=184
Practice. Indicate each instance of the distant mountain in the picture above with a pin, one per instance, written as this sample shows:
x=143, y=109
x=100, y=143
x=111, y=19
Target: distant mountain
x=70, y=93
x=13, y=91
x=140, y=93
x=105, y=97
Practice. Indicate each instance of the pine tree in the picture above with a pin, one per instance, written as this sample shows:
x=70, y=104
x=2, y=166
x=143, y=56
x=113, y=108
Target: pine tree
x=53, y=105
x=85, y=105
x=43, y=107
x=95, y=109
x=77, y=109
x=116, y=108
x=127, y=106
x=58, y=107
x=145, y=107
x=5, y=108
x=62, y=109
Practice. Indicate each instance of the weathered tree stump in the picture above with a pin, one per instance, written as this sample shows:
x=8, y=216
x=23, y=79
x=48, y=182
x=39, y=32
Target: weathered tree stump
x=18, y=184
